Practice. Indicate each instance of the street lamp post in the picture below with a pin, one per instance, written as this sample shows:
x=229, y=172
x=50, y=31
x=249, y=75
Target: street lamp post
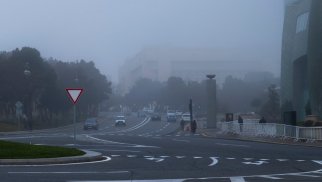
x=28, y=103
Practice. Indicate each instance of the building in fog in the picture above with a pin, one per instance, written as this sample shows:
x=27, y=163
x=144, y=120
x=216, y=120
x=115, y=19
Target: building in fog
x=301, y=75
x=159, y=64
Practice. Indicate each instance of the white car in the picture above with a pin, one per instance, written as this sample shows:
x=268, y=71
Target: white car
x=185, y=117
x=120, y=121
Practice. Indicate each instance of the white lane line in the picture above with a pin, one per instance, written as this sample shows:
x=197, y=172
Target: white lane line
x=63, y=172
x=155, y=159
x=255, y=163
x=67, y=164
x=300, y=160
x=131, y=156
x=107, y=150
x=115, y=155
x=214, y=161
x=230, y=158
x=269, y=177
x=180, y=157
x=282, y=160
x=129, y=144
x=237, y=179
x=305, y=175
x=264, y=159
x=187, y=141
x=197, y=157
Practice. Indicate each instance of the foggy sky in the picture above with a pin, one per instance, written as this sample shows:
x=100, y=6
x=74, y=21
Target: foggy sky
x=110, y=31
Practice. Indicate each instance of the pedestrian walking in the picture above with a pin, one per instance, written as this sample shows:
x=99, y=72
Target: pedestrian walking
x=240, y=121
x=262, y=120
x=193, y=126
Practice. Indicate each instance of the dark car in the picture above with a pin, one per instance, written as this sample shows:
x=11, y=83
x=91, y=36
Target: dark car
x=91, y=123
x=156, y=117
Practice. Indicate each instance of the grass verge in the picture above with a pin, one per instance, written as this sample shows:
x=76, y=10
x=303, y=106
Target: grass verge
x=14, y=150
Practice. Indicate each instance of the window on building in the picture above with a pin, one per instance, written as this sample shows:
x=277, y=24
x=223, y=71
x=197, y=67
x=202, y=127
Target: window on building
x=302, y=22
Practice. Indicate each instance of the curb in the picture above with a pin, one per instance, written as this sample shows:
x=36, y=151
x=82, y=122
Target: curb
x=204, y=134
x=88, y=157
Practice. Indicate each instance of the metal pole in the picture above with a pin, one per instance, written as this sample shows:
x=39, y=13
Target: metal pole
x=74, y=122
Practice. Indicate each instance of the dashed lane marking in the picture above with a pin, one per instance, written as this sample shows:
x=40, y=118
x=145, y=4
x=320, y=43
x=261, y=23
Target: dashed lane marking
x=237, y=179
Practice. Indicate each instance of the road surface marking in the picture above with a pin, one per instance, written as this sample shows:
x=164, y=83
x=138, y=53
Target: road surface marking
x=237, y=179
x=230, y=158
x=115, y=155
x=300, y=160
x=214, y=161
x=108, y=150
x=131, y=156
x=269, y=177
x=281, y=160
x=305, y=175
x=147, y=156
x=264, y=159
x=180, y=157
x=197, y=157
x=108, y=141
x=256, y=163
x=155, y=159
x=316, y=161
x=164, y=156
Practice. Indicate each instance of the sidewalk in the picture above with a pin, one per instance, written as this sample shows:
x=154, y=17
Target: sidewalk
x=216, y=133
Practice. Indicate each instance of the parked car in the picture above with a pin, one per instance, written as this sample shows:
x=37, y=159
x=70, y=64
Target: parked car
x=91, y=123
x=120, y=121
x=156, y=117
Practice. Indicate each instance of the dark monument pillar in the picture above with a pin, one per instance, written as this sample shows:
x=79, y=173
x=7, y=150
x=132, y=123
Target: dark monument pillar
x=211, y=99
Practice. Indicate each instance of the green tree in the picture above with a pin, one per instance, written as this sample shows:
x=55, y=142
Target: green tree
x=271, y=108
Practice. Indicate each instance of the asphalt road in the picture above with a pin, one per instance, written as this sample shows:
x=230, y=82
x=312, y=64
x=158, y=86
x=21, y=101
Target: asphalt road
x=147, y=150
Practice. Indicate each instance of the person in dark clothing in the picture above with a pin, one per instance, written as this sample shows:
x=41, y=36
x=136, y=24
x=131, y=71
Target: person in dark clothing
x=182, y=124
x=262, y=120
x=193, y=126
x=240, y=121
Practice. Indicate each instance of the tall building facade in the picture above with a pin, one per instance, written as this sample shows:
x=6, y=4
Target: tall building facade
x=301, y=75
x=159, y=64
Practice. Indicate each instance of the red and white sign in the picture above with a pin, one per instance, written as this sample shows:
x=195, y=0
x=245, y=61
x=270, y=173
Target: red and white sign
x=74, y=93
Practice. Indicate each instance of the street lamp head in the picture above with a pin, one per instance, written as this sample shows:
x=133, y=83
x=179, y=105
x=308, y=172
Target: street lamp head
x=211, y=76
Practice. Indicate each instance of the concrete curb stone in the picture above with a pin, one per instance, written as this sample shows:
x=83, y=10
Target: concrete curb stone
x=87, y=157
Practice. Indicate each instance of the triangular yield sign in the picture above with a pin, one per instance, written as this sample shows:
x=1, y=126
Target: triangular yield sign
x=74, y=93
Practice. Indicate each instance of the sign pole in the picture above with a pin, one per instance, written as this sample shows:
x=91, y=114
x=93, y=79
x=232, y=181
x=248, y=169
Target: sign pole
x=74, y=123
x=74, y=94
